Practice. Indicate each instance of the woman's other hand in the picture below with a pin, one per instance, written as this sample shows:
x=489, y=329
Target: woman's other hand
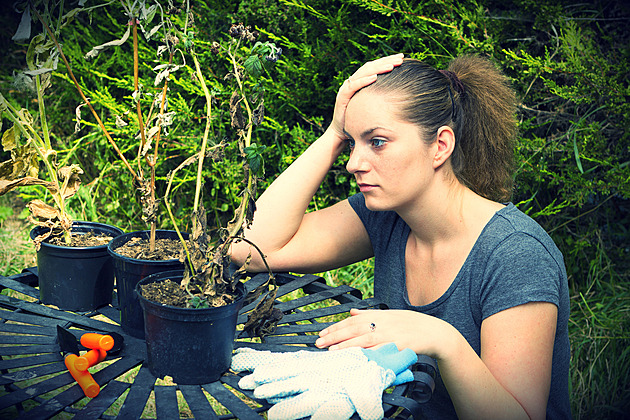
x=373, y=328
x=361, y=78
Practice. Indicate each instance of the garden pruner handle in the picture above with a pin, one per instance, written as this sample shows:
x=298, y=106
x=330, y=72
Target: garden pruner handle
x=89, y=359
x=84, y=378
x=97, y=341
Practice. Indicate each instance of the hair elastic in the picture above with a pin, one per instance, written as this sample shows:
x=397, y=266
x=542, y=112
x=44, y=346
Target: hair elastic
x=457, y=84
x=452, y=77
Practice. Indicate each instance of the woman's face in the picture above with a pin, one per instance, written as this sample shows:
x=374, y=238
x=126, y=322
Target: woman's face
x=392, y=165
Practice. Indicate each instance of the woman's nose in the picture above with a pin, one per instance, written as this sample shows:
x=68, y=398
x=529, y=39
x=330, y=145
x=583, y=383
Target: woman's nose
x=356, y=161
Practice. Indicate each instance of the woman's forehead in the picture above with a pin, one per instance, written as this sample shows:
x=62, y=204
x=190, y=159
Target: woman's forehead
x=379, y=106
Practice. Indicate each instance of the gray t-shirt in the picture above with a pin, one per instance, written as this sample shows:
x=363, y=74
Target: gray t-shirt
x=514, y=261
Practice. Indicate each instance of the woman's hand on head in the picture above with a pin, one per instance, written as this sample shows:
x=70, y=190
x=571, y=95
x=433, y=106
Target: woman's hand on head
x=361, y=78
x=373, y=328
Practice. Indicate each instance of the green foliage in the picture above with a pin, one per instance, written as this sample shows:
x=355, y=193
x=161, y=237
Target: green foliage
x=197, y=302
x=568, y=62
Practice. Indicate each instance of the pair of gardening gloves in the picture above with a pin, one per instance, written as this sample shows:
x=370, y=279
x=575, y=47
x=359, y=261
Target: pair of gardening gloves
x=325, y=385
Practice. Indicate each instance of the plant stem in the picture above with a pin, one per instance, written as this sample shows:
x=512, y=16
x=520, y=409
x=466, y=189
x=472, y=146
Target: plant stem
x=85, y=100
x=247, y=142
x=137, y=93
x=143, y=139
x=50, y=166
x=204, y=142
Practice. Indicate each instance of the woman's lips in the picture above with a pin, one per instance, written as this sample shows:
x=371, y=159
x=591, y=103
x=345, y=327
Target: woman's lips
x=366, y=187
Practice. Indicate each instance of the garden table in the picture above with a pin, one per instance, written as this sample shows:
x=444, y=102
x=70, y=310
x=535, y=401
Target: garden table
x=38, y=385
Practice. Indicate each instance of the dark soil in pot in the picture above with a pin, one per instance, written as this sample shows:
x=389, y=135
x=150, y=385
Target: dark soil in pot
x=138, y=248
x=79, y=240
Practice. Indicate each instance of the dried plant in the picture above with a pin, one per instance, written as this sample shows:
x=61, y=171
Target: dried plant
x=29, y=140
x=207, y=277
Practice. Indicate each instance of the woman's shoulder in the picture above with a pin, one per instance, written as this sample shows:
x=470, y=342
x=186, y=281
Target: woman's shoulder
x=514, y=226
x=510, y=218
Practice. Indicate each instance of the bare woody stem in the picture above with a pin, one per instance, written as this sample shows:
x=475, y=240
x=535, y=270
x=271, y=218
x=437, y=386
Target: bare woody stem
x=204, y=142
x=247, y=142
x=143, y=139
x=137, y=93
x=87, y=102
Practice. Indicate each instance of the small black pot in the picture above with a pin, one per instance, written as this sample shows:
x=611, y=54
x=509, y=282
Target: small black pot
x=129, y=271
x=76, y=278
x=193, y=346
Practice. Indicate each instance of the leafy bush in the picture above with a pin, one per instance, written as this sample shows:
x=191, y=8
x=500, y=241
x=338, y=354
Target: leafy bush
x=568, y=62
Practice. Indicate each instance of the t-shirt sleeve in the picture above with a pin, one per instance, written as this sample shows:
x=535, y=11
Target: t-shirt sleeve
x=357, y=201
x=520, y=270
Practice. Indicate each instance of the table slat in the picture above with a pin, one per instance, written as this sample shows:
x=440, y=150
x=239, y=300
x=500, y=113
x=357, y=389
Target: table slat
x=22, y=350
x=301, y=328
x=166, y=402
x=235, y=405
x=97, y=406
x=18, y=286
x=24, y=339
x=138, y=395
x=198, y=402
x=27, y=318
x=53, y=316
x=292, y=339
x=29, y=361
x=110, y=312
x=24, y=329
x=28, y=374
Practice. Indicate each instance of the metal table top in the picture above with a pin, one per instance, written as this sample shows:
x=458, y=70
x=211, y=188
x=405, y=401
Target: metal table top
x=38, y=385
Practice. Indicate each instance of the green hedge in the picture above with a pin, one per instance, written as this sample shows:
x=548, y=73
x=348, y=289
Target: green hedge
x=567, y=60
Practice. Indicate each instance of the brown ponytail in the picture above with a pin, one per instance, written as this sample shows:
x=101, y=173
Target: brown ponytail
x=476, y=101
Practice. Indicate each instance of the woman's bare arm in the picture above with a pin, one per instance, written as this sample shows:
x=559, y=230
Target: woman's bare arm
x=293, y=240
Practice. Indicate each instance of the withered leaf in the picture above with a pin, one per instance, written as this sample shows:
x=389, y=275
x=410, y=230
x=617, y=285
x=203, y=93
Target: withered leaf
x=251, y=209
x=42, y=211
x=264, y=318
x=9, y=140
x=236, y=113
x=259, y=113
x=70, y=176
x=8, y=185
x=96, y=50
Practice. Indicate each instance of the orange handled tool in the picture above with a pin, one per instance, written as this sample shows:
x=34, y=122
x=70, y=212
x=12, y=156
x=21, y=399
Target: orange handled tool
x=97, y=341
x=84, y=378
x=99, y=345
x=89, y=359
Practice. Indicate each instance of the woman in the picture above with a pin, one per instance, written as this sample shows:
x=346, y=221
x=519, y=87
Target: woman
x=469, y=280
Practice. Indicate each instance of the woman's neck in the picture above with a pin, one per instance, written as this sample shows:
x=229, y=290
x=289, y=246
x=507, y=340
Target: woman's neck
x=449, y=214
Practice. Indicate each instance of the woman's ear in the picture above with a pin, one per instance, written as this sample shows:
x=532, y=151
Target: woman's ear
x=445, y=145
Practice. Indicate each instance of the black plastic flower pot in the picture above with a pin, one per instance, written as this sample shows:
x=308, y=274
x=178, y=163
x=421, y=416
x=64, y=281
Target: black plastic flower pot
x=129, y=271
x=193, y=346
x=76, y=279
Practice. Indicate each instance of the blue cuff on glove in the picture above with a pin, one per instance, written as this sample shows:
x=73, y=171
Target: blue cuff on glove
x=388, y=357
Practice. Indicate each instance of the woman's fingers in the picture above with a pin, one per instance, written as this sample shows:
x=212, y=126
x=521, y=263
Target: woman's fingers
x=368, y=72
x=364, y=76
x=378, y=66
x=355, y=331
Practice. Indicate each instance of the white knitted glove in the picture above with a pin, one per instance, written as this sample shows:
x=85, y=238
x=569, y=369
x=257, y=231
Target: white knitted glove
x=324, y=385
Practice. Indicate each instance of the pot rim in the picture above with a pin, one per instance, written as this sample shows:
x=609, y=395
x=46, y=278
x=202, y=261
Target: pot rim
x=240, y=288
x=84, y=225
x=115, y=254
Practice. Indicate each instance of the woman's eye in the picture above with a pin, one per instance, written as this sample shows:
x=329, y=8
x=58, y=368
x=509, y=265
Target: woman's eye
x=378, y=142
x=350, y=143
